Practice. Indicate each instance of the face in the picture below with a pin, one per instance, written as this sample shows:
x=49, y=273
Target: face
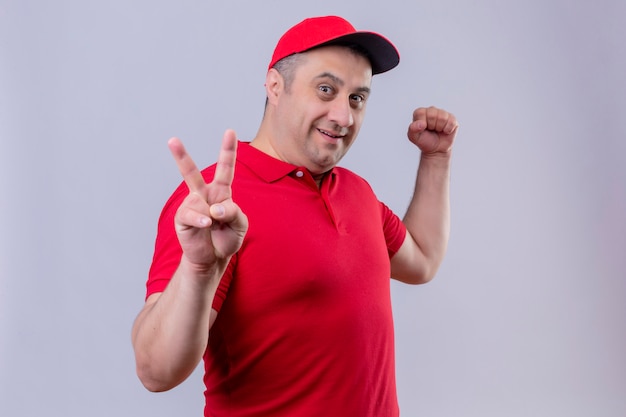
x=320, y=113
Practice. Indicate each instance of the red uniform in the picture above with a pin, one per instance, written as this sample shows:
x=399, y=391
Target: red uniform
x=305, y=324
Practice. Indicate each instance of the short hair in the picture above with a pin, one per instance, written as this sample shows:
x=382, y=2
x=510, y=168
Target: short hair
x=286, y=67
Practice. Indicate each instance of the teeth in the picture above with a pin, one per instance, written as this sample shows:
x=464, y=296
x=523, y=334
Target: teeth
x=329, y=134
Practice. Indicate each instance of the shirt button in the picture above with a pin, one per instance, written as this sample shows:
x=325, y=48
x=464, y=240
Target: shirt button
x=299, y=174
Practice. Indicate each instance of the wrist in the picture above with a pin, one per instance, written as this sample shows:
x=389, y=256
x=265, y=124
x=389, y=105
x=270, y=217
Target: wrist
x=203, y=270
x=442, y=157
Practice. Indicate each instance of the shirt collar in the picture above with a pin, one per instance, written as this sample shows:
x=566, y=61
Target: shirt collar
x=265, y=166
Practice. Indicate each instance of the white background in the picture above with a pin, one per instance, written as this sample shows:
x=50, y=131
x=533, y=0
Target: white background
x=527, y=316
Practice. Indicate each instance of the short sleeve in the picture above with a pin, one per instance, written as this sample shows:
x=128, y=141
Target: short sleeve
x=394, y=229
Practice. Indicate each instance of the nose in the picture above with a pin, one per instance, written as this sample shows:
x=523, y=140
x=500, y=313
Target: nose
x=341, y=113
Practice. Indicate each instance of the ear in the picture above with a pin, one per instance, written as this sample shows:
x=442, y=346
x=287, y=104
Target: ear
x=274, y=85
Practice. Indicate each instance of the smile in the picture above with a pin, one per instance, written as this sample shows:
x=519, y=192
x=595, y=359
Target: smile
x=324, y=132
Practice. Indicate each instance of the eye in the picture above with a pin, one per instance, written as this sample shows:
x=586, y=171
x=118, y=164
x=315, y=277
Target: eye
x=325, y=89
x=357, y=100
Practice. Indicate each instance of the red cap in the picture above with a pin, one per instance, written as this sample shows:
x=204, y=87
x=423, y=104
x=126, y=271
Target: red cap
x=334, y=30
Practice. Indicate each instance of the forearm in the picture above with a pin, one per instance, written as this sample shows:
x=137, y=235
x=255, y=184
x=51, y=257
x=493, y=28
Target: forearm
x=428, y=216
x=170, y=335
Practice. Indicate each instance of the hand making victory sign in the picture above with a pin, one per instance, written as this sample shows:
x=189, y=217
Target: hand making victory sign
x=209, y=225
x=170, y=333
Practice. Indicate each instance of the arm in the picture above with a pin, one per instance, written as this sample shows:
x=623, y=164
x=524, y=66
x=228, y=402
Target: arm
x=171, y=332
x=428, y=217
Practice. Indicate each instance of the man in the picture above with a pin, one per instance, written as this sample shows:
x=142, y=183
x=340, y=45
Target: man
x=274, y=263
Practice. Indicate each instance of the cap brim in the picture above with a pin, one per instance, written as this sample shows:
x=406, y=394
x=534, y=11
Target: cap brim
x=380, y=51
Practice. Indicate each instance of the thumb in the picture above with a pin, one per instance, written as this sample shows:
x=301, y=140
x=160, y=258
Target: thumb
x=228, y=212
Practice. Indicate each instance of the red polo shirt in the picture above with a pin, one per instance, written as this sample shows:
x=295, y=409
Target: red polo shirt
x=305, y=325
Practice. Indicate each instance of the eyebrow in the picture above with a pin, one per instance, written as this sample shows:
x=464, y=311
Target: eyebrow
x=339, y=81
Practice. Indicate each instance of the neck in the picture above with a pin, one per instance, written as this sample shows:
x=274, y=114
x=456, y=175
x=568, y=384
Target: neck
x=263, y=143
x=318, y=179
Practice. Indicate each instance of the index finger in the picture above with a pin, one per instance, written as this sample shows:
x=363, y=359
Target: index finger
x=225, y=169
x=188, y=169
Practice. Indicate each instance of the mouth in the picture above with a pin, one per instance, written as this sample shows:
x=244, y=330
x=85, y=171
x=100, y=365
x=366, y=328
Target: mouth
x=332, y=135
